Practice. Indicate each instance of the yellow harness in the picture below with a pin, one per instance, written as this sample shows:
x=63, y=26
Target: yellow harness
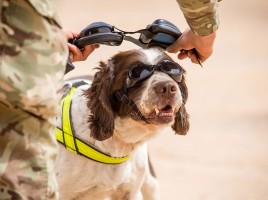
x=66, y=136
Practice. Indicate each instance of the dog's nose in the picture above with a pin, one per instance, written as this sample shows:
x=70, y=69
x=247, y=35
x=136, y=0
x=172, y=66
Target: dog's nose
x=166, y=89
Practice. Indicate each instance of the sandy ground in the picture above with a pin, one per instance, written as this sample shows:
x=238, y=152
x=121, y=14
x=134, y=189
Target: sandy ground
x=225, y=154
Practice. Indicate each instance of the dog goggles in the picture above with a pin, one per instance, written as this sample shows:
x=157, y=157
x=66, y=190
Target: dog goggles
x=139, y=72
x=161, y=33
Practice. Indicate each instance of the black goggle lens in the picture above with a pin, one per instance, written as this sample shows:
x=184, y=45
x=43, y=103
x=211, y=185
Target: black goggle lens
x=140, y=71
x=170, y=67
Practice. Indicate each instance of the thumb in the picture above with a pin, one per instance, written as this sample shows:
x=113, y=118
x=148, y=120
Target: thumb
x=176, y=46
x=182, y=43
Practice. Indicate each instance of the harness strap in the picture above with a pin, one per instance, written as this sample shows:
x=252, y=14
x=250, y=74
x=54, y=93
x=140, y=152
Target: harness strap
x=84, y=149
x=67, y=137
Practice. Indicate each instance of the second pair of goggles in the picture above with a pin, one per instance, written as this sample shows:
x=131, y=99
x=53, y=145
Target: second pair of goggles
x=161, y=33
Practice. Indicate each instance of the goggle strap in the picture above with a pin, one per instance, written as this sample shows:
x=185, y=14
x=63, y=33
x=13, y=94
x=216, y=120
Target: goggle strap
x=137, y=111
x=134, y=40
x=138, y=42
x=132, y=32
x=121, y=96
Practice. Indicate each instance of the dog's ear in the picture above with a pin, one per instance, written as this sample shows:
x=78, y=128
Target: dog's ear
x=181, y=124
x=101, y=120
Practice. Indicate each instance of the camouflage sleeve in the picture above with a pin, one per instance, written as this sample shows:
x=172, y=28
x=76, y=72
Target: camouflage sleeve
x=201, y=15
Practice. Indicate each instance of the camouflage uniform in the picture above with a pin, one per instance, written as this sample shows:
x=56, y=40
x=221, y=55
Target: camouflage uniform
x=33, y=53
x=201, y=15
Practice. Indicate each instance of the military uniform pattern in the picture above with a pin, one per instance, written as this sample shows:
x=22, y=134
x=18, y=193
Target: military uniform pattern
x=33, y=54
x=201, y=15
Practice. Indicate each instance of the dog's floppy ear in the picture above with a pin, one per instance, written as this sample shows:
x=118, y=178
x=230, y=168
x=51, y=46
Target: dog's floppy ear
x=181, y=124
x=101, y=120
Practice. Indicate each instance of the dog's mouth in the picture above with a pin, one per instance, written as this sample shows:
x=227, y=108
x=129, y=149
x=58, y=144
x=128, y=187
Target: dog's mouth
x=159, y=115
x=165, y=112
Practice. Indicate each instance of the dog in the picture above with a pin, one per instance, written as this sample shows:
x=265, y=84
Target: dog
x=131, y=98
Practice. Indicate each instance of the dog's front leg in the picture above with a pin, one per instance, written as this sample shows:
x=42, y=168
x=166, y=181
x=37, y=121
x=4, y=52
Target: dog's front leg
x=150, y=188
x=135, y=192
x=137, y=196
x=130, y=190
x=140, y=172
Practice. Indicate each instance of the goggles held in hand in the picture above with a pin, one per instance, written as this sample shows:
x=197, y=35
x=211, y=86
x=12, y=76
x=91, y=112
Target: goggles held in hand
x=161, y=33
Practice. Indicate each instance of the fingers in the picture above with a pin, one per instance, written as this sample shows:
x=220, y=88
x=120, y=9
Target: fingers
x=185, y=46
x=188, y=41
x=188, y=54
x=70, y=34
x=178, y=45
x=192, y=56
x=182, y=55
x=88, y=50
x=182, y=43
x=77, y=54
x=74, y=52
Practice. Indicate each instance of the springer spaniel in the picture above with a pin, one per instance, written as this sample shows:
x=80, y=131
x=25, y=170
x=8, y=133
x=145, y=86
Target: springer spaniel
x=131, y=98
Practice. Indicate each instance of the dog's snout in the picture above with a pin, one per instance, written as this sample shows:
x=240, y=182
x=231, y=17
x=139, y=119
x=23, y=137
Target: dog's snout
x=166, y=89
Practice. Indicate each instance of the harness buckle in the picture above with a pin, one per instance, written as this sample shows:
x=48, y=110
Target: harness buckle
x=66, y=87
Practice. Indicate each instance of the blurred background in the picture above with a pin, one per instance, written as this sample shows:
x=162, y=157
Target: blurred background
x=225, y=154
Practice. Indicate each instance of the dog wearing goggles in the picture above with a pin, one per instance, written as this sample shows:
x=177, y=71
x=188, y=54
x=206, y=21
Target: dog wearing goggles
x=132, y=97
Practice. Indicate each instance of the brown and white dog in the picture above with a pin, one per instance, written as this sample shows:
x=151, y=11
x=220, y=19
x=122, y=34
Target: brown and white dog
x=114, y=128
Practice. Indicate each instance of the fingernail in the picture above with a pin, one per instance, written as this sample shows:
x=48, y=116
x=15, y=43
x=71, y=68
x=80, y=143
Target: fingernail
x=189, y=55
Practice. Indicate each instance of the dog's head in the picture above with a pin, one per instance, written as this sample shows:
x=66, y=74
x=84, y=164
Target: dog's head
x=160, y=97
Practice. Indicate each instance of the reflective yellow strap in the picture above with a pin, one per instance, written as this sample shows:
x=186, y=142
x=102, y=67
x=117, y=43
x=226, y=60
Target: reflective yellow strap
x=91, y=153
x=59, y=136
x=66, y=112
x=86, y=150
x=66, y=121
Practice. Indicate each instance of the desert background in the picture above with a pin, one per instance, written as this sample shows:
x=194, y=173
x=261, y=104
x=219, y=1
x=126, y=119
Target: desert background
x=225, y=154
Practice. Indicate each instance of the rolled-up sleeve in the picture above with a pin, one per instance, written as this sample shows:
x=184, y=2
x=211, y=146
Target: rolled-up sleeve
x=201, y=15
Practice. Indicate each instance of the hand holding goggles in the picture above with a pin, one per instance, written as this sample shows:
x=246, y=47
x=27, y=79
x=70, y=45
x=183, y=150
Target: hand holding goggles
x=160, y=33
x=139, y=72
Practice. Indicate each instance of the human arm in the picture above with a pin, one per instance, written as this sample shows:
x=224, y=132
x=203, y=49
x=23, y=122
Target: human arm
x=202, y=17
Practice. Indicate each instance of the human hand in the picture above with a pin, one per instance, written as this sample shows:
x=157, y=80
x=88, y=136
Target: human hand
x=77, y=54
x=189, y=41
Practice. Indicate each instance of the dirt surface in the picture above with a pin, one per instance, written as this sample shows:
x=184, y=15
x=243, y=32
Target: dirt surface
x=225, y=154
